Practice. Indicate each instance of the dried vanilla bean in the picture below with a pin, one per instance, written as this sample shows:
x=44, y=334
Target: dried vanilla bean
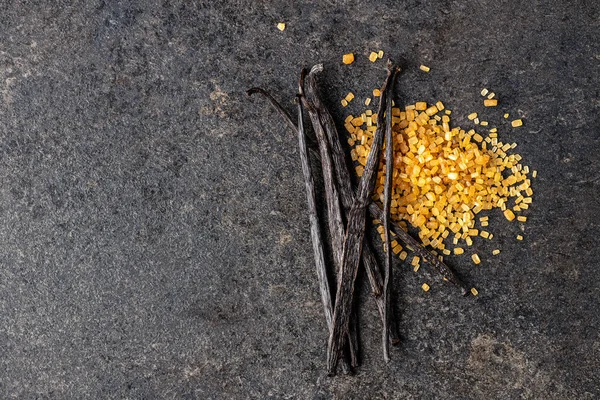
x=334, y=211
x=317, y=240
x=387, y=198
x=315, y=230
x=354, y=238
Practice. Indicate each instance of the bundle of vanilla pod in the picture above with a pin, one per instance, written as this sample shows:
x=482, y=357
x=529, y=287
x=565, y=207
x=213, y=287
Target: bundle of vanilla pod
x=347, y=209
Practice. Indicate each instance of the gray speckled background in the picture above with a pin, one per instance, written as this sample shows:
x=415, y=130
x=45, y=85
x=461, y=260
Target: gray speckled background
x=154, y=242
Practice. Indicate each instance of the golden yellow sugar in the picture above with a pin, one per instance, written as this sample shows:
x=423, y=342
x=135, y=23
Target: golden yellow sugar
x=431, y=110
x=281, y=26
x=424, y=68
x=509, y=215
x=373, y=56
x=490, y=102
x=475, y=259
x=348, y=58
x=496, y=252
x=425, y=287
x=420, y=106
x=516, y=123
x=443, y=176
x=474, y=292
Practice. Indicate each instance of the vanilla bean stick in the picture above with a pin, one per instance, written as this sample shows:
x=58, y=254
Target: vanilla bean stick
x=387, y=198
x=318, y=244
x=355, y=237
x=377, y=213
x=334, y=211
x=315, y=230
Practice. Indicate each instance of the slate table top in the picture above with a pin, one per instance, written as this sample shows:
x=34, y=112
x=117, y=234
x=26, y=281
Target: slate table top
x=154, y=242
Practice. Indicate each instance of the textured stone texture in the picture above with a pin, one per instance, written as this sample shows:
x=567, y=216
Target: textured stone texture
x=154, y=240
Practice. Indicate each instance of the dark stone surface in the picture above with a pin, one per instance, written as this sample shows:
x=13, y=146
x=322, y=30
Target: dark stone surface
x=153, y=232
